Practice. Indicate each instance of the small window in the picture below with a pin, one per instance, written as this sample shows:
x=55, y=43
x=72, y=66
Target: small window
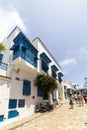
x=12, y=103
x=21, y=103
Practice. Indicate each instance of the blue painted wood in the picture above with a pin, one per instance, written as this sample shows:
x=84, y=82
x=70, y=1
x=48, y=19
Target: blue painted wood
x=3, y=66
x=45, y=66
x=45, y=57
x=39, y=92
x=13, y=113
x=12, y=103
x=26, y=87
x=1, y=118
x=24, y=50
x=54, y=68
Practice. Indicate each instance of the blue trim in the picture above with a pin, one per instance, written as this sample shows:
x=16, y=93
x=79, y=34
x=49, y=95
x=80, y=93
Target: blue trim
x=45, y=66
x=39, y=92
x=60, y=74
x=14, y=47
x=13, y=113
x=1, y=56
x=12, y=103
x=54, y=74
x=1, y=118
x=26, y=87
x=45, y=57
x=60, y=80
x=24, y=49
x=54, y=68
x=3, y=66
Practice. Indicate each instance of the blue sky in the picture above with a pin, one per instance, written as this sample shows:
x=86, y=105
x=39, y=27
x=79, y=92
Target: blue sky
x=60, y=24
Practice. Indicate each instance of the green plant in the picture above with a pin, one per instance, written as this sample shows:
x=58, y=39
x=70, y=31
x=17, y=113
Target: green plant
x=2, y=47
x=46, y=82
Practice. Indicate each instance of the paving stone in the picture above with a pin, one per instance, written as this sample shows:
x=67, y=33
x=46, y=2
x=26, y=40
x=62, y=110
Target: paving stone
x=61, y=118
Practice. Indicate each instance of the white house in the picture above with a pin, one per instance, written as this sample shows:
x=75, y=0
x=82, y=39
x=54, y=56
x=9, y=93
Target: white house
x=20, y=63
x=67, y=89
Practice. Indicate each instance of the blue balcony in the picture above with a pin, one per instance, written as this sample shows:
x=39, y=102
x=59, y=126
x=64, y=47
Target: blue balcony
x=3, y=66
x=24, y=49
x=28, y=56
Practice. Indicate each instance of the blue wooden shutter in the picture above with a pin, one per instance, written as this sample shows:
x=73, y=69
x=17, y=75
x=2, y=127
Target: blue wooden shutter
x=12, y=103
x=26, y=87
x=39, y=92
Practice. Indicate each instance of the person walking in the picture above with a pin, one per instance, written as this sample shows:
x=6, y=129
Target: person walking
x=71, y=101
x=80, y=99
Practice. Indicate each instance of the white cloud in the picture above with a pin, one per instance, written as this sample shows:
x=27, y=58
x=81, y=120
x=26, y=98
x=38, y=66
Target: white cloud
x=67, y=62
x=8, y=20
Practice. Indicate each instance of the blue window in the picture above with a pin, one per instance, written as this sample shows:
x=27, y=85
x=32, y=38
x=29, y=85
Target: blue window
x=1, y=118
x=60, y=80
x=54, y=74
x=12, y=103
x=26, y=87
x=1, y=56
x=39, y=92
x=45, y=57
x=45, y=66
x=21, y=103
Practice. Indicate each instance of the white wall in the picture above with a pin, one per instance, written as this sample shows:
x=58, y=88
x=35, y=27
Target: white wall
x=42, y=48
x=4, y=96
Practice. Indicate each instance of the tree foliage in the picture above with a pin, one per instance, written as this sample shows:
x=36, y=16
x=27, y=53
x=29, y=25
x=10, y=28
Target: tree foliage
x=46, y=82
x=2, y=47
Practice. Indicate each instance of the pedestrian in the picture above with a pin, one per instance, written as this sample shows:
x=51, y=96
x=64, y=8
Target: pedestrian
x=71, y=101
x=80, y=99
x=85, y=97
x=76, y=98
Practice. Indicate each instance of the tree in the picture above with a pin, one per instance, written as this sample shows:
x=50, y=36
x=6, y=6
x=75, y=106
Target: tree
x=2, y=47
x=46, y=82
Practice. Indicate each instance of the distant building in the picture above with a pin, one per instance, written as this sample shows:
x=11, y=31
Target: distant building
x=20, y=63
x=67, y=89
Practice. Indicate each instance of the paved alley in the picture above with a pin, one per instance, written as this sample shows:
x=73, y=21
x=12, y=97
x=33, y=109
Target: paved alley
x=62, y=118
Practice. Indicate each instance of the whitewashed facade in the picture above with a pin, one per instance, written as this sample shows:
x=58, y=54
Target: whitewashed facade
x=67, y=89
x=21, y=62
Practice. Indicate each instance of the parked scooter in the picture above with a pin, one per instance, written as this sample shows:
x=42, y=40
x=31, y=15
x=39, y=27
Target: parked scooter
x=43, y=107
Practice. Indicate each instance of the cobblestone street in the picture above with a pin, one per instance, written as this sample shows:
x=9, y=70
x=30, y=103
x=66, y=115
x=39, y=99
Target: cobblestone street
x=62, y=118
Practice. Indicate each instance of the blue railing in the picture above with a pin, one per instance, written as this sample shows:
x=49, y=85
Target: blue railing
x=3, y=66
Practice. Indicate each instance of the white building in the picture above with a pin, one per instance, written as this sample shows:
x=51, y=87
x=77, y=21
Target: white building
x=20, y=63
x=67, y=89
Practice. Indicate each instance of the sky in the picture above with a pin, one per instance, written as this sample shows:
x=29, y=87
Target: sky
x=60, y=24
